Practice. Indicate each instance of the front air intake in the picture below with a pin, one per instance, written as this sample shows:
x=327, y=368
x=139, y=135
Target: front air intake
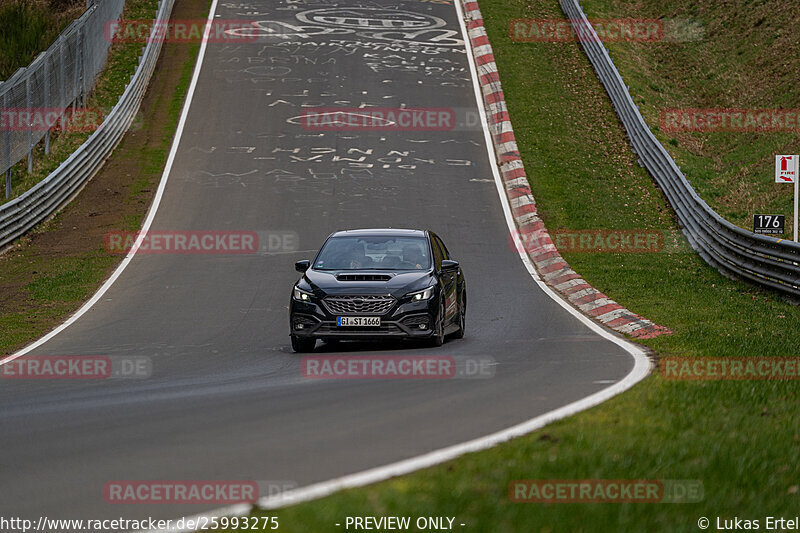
x=363, y=277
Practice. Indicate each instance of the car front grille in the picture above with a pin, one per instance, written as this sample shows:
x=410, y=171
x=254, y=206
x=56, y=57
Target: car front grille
x=355, y=305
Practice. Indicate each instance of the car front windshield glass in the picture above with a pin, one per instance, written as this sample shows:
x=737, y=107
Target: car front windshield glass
x=374, y=253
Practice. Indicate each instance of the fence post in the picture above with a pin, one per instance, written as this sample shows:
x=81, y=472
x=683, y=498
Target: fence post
x=82, y=75
x=76, y=69
x=47, y=102
x=6, y=161
x=87, y=53
x=62, y=78
x=29, y=106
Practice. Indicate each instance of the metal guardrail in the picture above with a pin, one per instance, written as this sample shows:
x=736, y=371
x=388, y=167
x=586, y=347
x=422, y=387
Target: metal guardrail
x=56, y=190
x=765, y=260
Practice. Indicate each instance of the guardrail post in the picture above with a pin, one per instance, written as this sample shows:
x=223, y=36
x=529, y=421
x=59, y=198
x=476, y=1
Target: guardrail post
x=8, y=184
x=29, y=110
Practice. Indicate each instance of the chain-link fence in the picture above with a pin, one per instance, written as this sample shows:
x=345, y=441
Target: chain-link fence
x=58, y=78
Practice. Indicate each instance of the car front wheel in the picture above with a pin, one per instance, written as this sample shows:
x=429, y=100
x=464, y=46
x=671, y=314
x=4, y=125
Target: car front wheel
x=438, y=335
x=303, y=345
x=462, y=318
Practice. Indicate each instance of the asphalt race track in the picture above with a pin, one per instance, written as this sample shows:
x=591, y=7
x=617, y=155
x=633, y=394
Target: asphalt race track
x=227, y=399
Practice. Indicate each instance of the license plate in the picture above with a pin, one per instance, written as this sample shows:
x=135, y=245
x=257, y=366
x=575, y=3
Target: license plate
x=358, y=321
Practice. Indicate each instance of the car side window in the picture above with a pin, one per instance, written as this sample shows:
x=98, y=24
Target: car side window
x=438, y=254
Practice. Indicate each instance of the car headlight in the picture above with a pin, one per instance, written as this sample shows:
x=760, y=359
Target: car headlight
x=301, y=295
x=425, y=294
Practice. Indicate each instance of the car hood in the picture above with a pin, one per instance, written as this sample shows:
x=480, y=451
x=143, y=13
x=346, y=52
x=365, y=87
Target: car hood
x=398, y=284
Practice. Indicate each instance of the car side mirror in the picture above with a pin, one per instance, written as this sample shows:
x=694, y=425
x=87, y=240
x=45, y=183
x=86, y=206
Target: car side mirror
x=302, y=266
x=447, y=264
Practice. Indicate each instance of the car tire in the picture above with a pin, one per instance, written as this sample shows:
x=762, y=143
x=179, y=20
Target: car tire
x=462, y=318
x=438, y=337
x=303, y=345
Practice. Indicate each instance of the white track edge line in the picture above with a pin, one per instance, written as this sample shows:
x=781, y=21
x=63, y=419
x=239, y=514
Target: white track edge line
x=640, y=370
x=150, y=214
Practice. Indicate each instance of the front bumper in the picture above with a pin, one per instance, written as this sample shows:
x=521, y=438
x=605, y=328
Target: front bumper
x=310, y=319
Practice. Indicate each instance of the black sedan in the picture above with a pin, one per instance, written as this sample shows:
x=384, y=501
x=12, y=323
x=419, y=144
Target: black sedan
x=378, y=283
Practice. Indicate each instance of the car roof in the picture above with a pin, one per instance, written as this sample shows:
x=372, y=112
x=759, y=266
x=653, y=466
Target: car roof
x=380, y=232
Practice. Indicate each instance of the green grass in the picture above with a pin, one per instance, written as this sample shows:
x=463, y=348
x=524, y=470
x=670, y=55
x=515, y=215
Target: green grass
x=636, y=436
x=740, y=439
x=60, y=283
x=73, y=278
x=28, y=27
x=748, y=58
x=120, y=65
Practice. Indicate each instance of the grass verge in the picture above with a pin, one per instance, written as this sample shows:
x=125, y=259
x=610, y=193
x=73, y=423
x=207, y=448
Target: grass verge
x=740, y=439
x=28, y=27
x=51, y=271
x=745, y=55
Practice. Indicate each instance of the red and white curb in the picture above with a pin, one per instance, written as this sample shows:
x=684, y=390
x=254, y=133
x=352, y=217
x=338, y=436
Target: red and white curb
x=538, y=245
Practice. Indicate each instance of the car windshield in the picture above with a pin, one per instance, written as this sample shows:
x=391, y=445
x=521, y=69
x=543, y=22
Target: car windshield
x=374, y=253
